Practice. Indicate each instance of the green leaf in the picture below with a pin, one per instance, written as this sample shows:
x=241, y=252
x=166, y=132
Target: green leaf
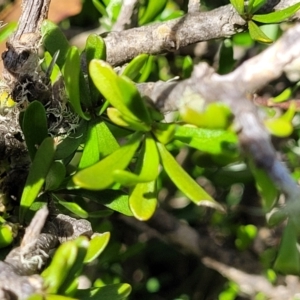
x=55, y=176
x=100, y=7
x=265, y=187
x=164, y=132
x=153, y=9
x=133, y=69
x=184, y=182
x=7, y=30
x=6, y=235
x=288, y=258
x=100, y=175
x=277, y=16
x=53, y=40
x=37, y=175
x=94, y=49
x=55, y=73
x=72, y=207
x=35, y=128
x=283, y=96
x=226, y=60
x=146, y=69
x=238, y=5
x=187, y=67
x=207, y=140
x=54, y=297
x=70, y=284
x=96, y=247
x=122, y=120
x=279, y=127
x=114, y=199
x=255, y=5
x=118, y=291
x=71, y=73
x=59, y=269
x=119, y=91
x=257, y=34
x=147, y=166
x=143, y=200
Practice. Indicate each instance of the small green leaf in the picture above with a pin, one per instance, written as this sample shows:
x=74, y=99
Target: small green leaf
x=238, y=5
x=288, y=258
x=184, y=182
x=164, y=132
x=187, y=67
x=94, y=49
x=257, y=34
x=96, y=247
x=55, y=73
x=153, y=9
x=277, y=16
x=133, y=69
x=6, y=235
x=62, y=262
x=35, y=126
x=7, y=30
x=146, y=69
x=147, y=165
x=119, y=91
x=143, y=200
x=265, y=187
x=100, y=175
x=255, y=5
x=122, y=120
x=37, y=175
x=53, y=40
x=54, y=297
x=100, y=7
x=207, y=140
x=55, y=176
x=72, y=207
x=279, y=127
x=71, y=73
x=283, y=96
x=118, y=291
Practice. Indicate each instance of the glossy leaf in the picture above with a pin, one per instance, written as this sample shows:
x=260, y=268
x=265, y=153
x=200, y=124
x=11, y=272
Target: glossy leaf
x=277, y=16
x=164, y=132
x=283, y=96
x=6, y=235
x=118, y=291
x=55, y=72
x=100, y=175
x=207, y=140
x=153, y=9
x=94, y=49
x=279, y=127
x=96, y=247
x=143, y=200
x=114, y=199
x=122, y=120
x=119, y=91
x=70, y=284
x=72, y=207
x=214, y=115
x=238, y=5
x=37, y=175
x=133, y=69
x=288, y=258
x=55, y=176
x=257, y=34
x=254, y=5
x=265, y=187
x=71, y=73
x=62, y=262
x=184, y=182
x=53, y=40
x=147, y=166
x=35, y=128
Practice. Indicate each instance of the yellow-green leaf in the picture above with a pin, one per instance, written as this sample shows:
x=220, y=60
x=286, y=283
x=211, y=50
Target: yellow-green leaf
x=96, y=247
x=257, y=34
x=184, y=182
